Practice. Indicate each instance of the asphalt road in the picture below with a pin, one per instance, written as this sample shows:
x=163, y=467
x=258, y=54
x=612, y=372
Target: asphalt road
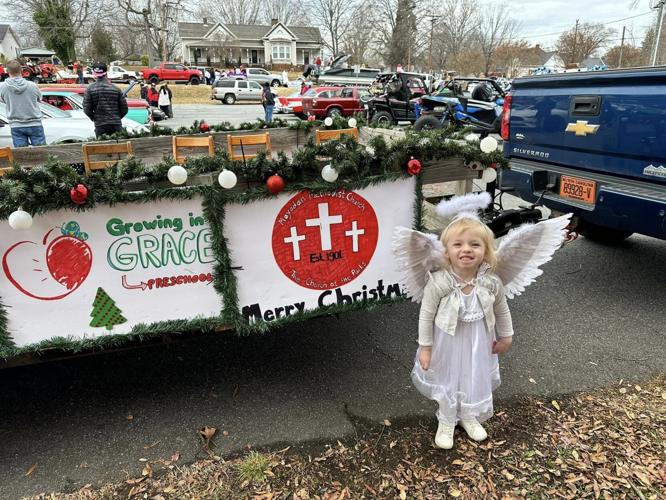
x=595, y=317
x=216, y=112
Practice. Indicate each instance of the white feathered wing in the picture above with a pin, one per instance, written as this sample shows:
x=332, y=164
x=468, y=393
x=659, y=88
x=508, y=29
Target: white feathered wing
x=416, y=255
x=524, y=249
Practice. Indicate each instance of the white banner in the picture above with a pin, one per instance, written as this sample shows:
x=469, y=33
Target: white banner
x=105, y=271
x=303, y=251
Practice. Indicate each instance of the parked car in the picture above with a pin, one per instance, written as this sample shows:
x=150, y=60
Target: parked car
x=293, y=103
x=261, y=75
x=139, y=110
x=230, y=91
x=346, y=101
x=172, y=72
x=49, y=111
x=116, y=74
x=56, y=129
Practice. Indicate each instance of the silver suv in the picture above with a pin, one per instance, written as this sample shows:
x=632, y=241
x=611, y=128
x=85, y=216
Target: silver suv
x=230, y=91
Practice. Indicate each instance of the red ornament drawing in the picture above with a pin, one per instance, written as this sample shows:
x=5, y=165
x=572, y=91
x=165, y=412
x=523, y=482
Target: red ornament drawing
x=68, y=259
x=275, y=184
x=323, y=241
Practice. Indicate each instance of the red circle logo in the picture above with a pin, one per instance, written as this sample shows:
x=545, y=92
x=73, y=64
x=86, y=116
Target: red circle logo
x=325, y=240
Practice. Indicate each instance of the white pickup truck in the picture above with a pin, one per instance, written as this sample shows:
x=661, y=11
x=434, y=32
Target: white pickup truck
x=116, y=74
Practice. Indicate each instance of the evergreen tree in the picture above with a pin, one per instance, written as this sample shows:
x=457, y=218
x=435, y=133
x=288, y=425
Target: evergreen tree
x=403, y=38
x=105, y=311
x=55, y=28
x=101, y=45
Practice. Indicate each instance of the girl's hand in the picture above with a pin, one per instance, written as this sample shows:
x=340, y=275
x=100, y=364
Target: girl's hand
x=502, y=345
x=424, y=357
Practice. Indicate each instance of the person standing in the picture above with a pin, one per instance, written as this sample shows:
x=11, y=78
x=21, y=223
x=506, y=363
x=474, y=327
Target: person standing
x=164, y=100
x=104, y=103
x=22, y=98
x=318, y=64
x=268, y=101
x=144, y=91
x=79, y=73
x=153, y=95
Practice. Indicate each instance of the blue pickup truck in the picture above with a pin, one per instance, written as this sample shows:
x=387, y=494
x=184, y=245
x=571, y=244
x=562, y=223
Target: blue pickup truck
x=593, y=144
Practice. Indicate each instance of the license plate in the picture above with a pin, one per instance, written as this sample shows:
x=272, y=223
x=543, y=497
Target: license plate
x=578, y=189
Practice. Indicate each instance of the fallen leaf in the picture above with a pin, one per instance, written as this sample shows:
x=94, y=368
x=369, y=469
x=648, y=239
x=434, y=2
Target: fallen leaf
x=623, y=390
x=207, y=432
x=225, y=433
x=130, y=417
x=532, y=381
x=638, y=388
x=149, y=446
x=175, y=456
x=169, y=489
x=457, y=461
x=387, y=422
x=31, y=469
x=157, y=497
x=147, y=471
x=136, y=490
x=556, y=405
x=135, y=481
x=455, y=492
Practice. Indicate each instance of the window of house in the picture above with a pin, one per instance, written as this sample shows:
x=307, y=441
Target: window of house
x=281, y=51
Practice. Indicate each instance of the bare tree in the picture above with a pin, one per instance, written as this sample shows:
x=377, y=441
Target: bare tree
x=358, y=41
x=495, y=28
x=334, y=18
x=288, y=12
x=158, y=19
x=578, y=44
x=229, y=11
x=455, y=30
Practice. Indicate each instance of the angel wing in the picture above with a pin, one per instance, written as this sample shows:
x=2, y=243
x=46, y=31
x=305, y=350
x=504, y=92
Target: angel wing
x=416, y=254
x=524, y=249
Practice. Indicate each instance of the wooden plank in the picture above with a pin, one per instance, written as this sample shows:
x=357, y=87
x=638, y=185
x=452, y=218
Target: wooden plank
x=104, y=148
x=190, y=140
x=248, y=140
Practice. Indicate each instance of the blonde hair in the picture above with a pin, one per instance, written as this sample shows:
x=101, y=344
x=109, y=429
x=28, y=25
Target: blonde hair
x=459, y=226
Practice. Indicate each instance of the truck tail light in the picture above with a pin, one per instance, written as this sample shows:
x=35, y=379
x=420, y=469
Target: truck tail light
x=505, y=117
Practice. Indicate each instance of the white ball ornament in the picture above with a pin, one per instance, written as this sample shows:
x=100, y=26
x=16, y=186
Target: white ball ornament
x=329, y=174
x=177, y=175
x=489, y=175
x=489, y=144
x=352, y=122
x=328, y=121
x=472, y=138
x=20, y=220
x=227, y=179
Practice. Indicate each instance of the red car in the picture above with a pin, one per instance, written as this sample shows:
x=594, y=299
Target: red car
x=293, y=103
x=346, y=101
x=172, y=72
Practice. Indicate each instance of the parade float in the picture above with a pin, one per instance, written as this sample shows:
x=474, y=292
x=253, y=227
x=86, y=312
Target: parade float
x=147, y=248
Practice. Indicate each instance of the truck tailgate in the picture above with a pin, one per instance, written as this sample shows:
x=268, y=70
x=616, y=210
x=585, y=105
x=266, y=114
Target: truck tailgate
x=604, y=122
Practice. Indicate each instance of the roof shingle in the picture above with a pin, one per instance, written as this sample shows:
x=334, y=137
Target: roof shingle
x=248, y=31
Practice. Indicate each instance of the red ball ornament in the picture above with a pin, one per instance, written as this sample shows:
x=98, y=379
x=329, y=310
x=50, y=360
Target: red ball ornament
x=275, y=184
x=414, y=167
x=79, y=194
x=204, y=127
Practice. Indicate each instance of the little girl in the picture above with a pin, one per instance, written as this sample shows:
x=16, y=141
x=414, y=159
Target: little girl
x=463, y=310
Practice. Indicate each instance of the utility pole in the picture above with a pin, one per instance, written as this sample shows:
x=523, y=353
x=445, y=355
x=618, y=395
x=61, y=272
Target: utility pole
x=624, y=29
x=658, y=37
x=432, y=29
x=575, y=61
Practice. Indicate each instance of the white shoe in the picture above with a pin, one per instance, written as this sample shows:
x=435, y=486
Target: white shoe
x=444, y=436
x=474, y=429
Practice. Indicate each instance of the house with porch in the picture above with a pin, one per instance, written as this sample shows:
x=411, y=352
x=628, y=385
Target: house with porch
x=276, y=46
x=9, y=44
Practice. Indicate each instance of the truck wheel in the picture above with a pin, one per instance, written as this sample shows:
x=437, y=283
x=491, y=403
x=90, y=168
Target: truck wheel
x=383, y=119
x=334, y=112
x=154, y=79
x=229, y=99
x=194, y=81
x=427, y=122
x=603, y=235
x=275, y=83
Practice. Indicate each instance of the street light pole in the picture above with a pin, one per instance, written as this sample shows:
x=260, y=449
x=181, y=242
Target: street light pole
x=432, y=29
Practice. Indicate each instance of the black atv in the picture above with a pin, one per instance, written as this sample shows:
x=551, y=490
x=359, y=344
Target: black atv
x=396, y=95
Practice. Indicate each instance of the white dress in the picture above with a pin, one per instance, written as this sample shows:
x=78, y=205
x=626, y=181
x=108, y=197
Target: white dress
x=463, y=372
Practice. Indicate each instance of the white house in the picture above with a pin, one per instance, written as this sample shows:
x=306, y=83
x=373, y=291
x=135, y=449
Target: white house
x=278, y=44
x=9, y=45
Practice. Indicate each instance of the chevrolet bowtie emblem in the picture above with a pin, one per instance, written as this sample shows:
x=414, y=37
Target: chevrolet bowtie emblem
x=581, y=127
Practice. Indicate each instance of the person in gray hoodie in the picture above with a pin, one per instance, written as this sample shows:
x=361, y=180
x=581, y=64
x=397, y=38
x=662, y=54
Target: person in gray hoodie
x=22, y=97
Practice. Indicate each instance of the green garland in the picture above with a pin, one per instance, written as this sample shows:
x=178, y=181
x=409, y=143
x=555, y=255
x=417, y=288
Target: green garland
x=43, y=189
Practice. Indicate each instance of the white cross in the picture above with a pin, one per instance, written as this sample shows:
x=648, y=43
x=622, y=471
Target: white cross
x=294, y=239
x=324, y=222
x=354, y=232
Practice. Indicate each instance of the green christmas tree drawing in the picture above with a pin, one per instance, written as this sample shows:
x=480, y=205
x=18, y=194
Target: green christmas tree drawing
x=105, y=311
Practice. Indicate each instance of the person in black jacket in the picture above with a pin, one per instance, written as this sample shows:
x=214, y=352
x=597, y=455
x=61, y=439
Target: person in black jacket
x=104, y=103
x=268, y=100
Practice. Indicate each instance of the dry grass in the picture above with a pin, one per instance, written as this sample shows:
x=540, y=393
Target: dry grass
x=604, y=444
